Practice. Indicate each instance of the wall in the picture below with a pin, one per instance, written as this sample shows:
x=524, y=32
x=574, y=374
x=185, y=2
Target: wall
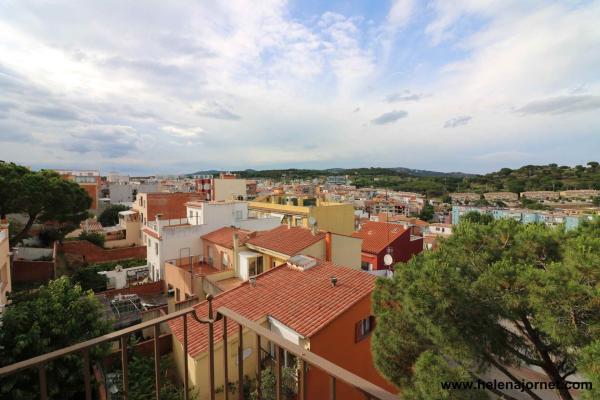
x=228, y=189
x=32, y=271
x=89, y=252
x=336, y=343
x=335, y=218
x=146, y=288
x=5, y=273
x=32, y=253
x=346, y=250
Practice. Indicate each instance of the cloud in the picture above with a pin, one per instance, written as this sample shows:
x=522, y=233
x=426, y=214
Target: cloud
x=53, y=113
x=561, y=105
x=404, y=96
x=457, y=121
x=389, y=117
x=357, y=109
x=399, y=14
x=214, y=109
x=12, y=134
x=109, y=141
x=184, y=133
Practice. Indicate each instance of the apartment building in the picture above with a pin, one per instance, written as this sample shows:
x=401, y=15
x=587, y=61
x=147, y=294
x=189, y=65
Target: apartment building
x=5, y=280
x=584, y=194
x=313, y=303
x=541, y=195
x=89, y=180
x=501, y=196
x=462, y=198
x=380, y=239
x=440, y=229
x=226, y=187
x=525, y=216
x=167, y=205
x=180, y=238
x=126, y=192
x=302, y=210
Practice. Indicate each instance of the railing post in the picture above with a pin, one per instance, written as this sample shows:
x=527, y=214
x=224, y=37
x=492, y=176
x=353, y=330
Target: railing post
x=186, y=392
x=258, y=368
x=211, y=348
x=278, y=395
x=225, y=360
x=240, y=362
x=331, y=387
x=157, y=360
x=42, y=378
x=301, y=380
x=124, y=368
x=86, y=374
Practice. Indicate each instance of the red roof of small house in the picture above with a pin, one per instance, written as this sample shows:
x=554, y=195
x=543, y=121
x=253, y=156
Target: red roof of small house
x=377, y=236
x=286, y=240
x=303, y=300
x=224, y=236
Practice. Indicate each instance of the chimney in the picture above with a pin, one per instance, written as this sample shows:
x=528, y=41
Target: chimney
x=157, y=218
x=289, y=222
x=333, y=281
x=313, y=229
x=236, y=249
x=252, y=281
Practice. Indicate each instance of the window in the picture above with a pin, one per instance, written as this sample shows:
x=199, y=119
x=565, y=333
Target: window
x=363, y=328
x=149, y=243
x=366, y=266
x=156, y=248
x=225, y=260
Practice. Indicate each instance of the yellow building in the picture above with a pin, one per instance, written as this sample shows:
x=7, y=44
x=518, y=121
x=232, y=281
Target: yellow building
x=301, y=210
x=5, y=281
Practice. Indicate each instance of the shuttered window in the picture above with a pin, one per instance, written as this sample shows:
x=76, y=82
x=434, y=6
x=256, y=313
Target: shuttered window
x=363, y=328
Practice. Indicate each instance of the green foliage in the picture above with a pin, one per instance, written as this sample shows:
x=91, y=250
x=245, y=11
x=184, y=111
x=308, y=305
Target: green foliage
x=596, y=201
x=55, y=316
x=110, y=216
x=477, y=217
x=93, y=237
x=141, y=379
x=533, y=204
x=42, y=195
x=500, y=293
x=427, y=212
x=89, y=278
x=590, y=366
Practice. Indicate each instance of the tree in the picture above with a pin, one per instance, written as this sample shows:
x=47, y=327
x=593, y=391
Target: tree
x=493, y=295
x=596, y=201
x=477, y=217
x=42, y=195
x=110, y=216
x=141, y=378
x=427, y=212
x=55, y=316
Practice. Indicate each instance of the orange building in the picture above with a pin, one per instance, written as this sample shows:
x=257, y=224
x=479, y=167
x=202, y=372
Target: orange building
x=321, y=306
x=168, y=205
x=88, y=180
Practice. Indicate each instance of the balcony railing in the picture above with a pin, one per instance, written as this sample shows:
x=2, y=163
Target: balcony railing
x=305, y=358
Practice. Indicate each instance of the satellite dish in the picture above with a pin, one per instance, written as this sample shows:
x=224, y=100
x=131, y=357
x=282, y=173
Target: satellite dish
x=312, y=221
x=388, y=260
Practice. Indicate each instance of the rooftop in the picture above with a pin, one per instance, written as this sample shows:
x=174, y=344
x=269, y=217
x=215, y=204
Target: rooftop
x=199, y=267
x=224, y=236
x=305, y=300
x=377, y=236
x=286, y=240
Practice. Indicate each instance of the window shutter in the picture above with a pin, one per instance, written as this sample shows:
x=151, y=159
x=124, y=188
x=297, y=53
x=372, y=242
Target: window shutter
x=357, y=332
x=372, y=322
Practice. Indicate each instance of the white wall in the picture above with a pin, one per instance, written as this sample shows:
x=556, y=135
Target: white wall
x=228, y=189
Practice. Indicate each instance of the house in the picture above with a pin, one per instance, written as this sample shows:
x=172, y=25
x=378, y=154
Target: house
x=180, y=238
x=5, y=279
x=440, y=229
x=302, y=210
x=463, y=198
x=313, y=303
x=541, y=195
x=381, y=238
x=501, y=196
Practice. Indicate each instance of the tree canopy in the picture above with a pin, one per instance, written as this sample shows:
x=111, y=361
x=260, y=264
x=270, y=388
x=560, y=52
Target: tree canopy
x=42, y=195
x=110, y=216
x=55, y=316
x=494, y=294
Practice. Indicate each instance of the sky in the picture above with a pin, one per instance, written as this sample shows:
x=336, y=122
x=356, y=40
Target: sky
x=156, y=86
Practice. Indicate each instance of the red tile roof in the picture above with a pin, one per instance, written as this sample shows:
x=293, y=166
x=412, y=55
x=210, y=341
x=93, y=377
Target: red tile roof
x=377, y=236
x=286, y=240
x=224, y=236
x=302, y=300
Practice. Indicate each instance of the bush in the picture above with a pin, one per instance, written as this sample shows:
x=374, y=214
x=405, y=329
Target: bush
x=93, y=237
x=110, y=216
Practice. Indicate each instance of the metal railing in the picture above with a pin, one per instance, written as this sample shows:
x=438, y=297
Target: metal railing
x=305, y=358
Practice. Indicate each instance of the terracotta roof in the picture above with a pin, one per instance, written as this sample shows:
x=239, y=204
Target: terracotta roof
x=305, y=301
x=286, y=240
x=375, y=235
x=224, y=236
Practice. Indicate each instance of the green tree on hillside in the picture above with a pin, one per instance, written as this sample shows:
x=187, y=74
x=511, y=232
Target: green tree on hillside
x=55, y=316
x=493, y=295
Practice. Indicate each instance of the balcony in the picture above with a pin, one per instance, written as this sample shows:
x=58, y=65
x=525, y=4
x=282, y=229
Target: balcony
x=304, y=357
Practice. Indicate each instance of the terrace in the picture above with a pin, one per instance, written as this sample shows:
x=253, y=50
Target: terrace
x=305, y=357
